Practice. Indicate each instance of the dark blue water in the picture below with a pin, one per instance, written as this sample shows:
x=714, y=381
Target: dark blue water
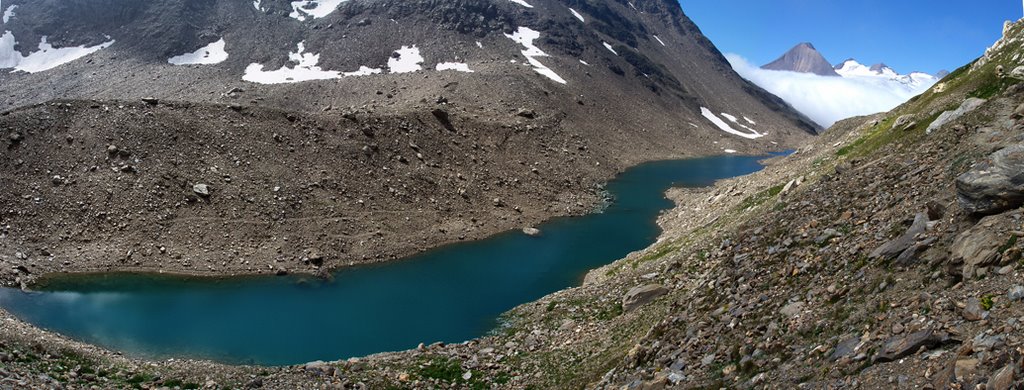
x=451, y=294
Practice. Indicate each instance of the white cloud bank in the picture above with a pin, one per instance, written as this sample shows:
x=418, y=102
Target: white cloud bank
x=826, y=100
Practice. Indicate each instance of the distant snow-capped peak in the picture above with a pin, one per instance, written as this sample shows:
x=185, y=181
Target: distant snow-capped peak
x=852, y=68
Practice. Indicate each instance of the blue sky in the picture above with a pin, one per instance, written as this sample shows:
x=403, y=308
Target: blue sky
x=908, y=35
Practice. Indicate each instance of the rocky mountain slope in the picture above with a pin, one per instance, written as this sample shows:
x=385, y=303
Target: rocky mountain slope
x=885, y=254
x=802, y=58
x=234, y=137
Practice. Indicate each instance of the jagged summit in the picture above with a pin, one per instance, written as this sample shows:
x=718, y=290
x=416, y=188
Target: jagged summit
x=803, y=58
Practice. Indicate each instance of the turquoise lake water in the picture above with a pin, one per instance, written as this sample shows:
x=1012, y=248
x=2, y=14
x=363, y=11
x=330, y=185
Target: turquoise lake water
x=451, y=294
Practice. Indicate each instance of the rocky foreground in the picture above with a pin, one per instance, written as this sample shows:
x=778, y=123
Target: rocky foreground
x=884, y=255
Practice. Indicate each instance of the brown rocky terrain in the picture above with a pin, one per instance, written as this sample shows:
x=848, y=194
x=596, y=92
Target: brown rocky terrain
x=883, y=254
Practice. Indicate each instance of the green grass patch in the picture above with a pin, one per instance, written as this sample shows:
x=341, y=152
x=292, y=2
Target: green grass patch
x=1009, y=244
x=760, y=197
x=990, y=86
x=658, y=253
x=987, y=302
x=448, y=370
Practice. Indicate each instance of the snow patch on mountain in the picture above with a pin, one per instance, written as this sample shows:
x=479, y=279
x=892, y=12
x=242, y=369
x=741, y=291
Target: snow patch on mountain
x=827, y=100
x=45, y=58
x=710, y=115
x=660, y=41
x=525, y=36
x=364, y=71
x=306, y=69
x=213, y=53
x=577, y=15
x=301, y=10
x=408, y=60
x=456, y=66
x=609, y=47
x=9, y=13
x=522, y=3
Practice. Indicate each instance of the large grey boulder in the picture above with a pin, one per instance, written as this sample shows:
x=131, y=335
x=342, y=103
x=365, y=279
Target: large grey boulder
x=641, y=295
x=967, y=106
x=995, y=185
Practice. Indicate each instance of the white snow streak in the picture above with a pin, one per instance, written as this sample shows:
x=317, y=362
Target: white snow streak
x=456, y=66
x=9, y=13
x=210, y=54
x=660, y=41
x=525, y=36
x=577, y=15
x=522, y=3
x=609, y=47
x=725, y=126
x=364, y=71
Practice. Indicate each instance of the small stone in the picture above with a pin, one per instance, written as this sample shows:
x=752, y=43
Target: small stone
x=16, y=137
x=150, y=100
x=1016, y=293
x=531, y=231
x=965, y=368
x=792, y=310
x=528, y=114
x=112, y=149
x=201, y=190
x=973, y=311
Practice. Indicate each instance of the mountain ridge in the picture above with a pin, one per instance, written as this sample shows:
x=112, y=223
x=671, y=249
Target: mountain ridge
x=803, y=58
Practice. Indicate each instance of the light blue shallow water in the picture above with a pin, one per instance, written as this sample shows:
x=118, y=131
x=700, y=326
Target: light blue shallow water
x=451, y=294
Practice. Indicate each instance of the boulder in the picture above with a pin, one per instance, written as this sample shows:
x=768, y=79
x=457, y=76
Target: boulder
x=893, y=248
x=846, y=348
x=976, y=247
x=903, y=121
x=995, y=185
x=967, y=106
x=641, y=295
x=1002, y=379
x=898, y=347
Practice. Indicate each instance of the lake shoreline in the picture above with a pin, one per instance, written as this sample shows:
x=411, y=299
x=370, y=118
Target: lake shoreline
x=588, y=202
